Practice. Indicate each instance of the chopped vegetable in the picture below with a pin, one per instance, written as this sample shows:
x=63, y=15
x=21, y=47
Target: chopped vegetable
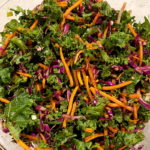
x=74, y=75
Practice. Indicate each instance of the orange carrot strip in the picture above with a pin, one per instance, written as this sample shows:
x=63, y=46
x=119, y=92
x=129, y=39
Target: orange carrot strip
x=113, y=99
x=62, y=4
x=43, y=66
x=72, y=18
x=38, y=148
x=79, y=78
x=68, y=11
x=32, y=27
x=23, y=145
x=134, y=95
x=53, y=105
x=30, y=137
x=38, y=87
x=77, y=56
x=79, y=38
x=4, y=100
x=73, y=109
x=135, y=111
x=116, y=86
x=85, y=98
x=24, y=74
x=100, y=148
x=92, y=77
x=94, y=20
x=43, y=83
x=105, y=132
x=130, y=27
x=120, y=13
x=113, y=105
x=133, y=121
x=71, y=100
x=119, y=76
x=105, y=33
x=123, y=147
x=91, y=137
x=70, y=62
x=89, y=130
x=140, y=53
x=114, y=130
x=86, y=81
x=7, y=40
x=66, y=68
x=75, y=77
x=64, y=123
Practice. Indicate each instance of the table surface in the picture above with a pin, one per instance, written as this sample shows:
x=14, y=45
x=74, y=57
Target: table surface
x=140, y=8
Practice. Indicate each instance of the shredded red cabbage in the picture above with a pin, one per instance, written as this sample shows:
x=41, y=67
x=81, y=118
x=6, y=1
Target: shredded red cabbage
x=145, y=104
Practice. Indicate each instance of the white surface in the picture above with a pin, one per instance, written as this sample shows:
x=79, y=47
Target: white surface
x=140, y=8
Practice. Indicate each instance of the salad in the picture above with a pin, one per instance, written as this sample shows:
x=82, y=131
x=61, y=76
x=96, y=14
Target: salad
x=75, y=75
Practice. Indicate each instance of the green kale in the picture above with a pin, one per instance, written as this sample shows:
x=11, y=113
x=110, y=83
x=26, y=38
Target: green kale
x=117, y=39
x=18, y=113
x=103, y=8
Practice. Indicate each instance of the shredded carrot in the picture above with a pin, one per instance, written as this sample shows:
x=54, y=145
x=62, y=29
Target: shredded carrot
x=105, y=33
x=30, y=137
x=120, y=13
x=114, y=130
x=53, y=105
x=106, y=115
x=66, y=68
x=91, y=137
x=68, y=11
x=73, y=109
x=75, y=77
x=4, y=100
x=43, y=83
x=119, y=76
x=43, y=138
x=64, y=123
x=130, y=27
x=133, y=121
x=43, y=66
x=62, y=4
x=85, y=98
x=123, y=147
x=77, y=56
x=116, y=86
x=7, y=40
x=135, y=111
x=94, y=20
x=32, y=27
x=89, y=130
x=140, y=53
x=71, y=100
x=69, y=62
x=134, y=95
x=105, y=132
x=93, y=91
x=113, y=99
x=23, y=145
x=90, y=71
x=86, y=81
x=79, y=38
x=125, y=102
x=38, y=87
x=24, y=74
x=79, y=78
x=72, y=18
x=100, y=148
x=113, y=105
x=38, y=148
x=124, y=94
